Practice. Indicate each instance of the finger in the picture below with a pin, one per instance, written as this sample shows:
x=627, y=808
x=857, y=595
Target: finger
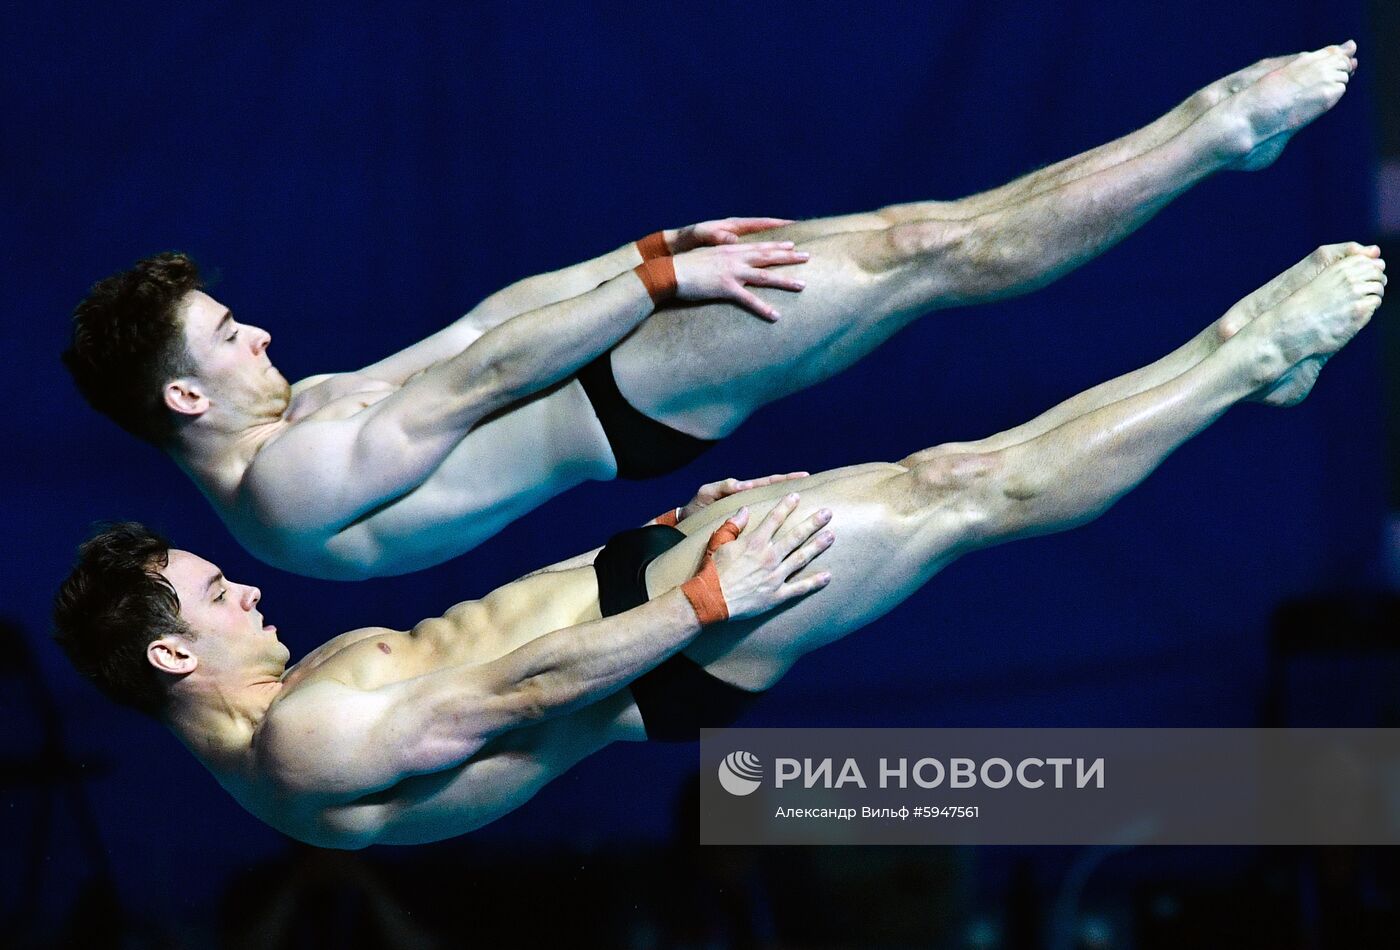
x=750, y=225
x=807, y=552
x=762, y=278
x=770, y=480
x=724, y=487
x=804, y=586
x=751, y=302
x=764, y=247
x=740, y=518
x=775, y=518
x=775, y=258
x=726, y=237
x=803, y=531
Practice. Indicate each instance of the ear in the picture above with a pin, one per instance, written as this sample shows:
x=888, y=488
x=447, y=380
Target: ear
x=186, y=396
x=171, y=655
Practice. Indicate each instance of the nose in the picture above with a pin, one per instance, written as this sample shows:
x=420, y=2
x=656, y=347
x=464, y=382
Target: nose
x=261, y=341
x=251, y=596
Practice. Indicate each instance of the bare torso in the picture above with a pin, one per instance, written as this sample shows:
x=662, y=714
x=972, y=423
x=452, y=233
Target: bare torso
x=502, y=469
x=509, y=769
x=499, y=778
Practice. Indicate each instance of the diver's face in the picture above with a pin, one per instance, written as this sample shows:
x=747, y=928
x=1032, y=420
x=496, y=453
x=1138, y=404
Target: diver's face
x=230, y=358
x=228, y=626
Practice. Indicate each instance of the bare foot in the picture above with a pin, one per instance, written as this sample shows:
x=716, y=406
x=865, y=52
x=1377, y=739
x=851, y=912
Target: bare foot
x=1217, y=92
x=1281, y=287
x=1264, y=115
x=1296, y=337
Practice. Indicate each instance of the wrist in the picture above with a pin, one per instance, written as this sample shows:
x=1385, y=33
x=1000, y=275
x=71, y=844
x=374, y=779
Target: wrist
x=670, y=518
x=703, y=590
x=658, y=276
x=656, y=244
x=705, y=596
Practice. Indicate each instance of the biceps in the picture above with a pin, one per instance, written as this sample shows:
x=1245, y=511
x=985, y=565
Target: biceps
x=326, y=477
x=308, y=483
x=442, y=726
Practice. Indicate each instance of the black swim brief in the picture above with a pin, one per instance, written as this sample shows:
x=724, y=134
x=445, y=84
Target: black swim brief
x=643, y=447
x=677, y=697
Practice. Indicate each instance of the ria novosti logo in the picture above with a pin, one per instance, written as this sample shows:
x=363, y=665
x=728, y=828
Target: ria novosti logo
x=740, y=773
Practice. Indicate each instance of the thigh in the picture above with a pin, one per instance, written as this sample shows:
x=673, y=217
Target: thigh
x=704, y=368
x=884, y=551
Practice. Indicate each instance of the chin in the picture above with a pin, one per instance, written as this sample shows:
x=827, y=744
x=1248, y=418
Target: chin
x=279, y=393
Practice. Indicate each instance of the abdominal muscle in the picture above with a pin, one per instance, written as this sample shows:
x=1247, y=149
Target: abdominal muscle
x=510, y=768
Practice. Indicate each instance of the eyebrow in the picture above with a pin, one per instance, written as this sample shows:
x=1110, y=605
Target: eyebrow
x=223, y=322
x=208, y=585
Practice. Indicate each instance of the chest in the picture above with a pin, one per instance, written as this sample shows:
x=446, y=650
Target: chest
x=339, y=397
x=365, y=659
x=373, y=657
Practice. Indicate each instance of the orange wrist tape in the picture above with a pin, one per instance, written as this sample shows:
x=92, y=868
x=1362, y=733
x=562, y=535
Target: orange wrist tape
x=669, y=519
x=653, y=245
x=659, y=275
x=703, y=590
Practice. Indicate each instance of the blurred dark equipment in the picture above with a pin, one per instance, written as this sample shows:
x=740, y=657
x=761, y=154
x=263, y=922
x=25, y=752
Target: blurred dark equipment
x=47, y=777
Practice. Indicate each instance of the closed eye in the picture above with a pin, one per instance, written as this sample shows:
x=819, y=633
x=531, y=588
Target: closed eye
x=222, y=593
x=231, y=337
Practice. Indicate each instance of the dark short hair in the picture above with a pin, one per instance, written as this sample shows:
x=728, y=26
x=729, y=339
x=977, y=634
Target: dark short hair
x=128, y=342
x=112, y=606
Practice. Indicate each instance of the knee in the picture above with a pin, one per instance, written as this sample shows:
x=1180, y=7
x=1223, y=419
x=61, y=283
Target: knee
x=892, y=215
x=915, y=242
x=962, y=486
x=974, y=258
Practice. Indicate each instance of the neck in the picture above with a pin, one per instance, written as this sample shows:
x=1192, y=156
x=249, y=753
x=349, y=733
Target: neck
x=218, y=721
x=216, y=452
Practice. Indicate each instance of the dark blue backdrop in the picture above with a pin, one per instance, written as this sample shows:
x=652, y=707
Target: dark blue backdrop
x=361, y=177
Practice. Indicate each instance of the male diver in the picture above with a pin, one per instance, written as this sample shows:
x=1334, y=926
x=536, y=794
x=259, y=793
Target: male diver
x=577, y=375
x=399, y=737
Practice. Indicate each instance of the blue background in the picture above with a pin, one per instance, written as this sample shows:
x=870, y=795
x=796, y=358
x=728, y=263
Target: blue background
x=360, y=177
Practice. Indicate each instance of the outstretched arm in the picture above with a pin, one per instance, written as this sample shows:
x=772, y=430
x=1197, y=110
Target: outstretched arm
x=542, y=290
x=323, y=475
x=351, y=742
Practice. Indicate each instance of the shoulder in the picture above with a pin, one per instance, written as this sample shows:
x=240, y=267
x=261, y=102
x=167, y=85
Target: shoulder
x=288, y=477
x=311, y=739
x=302, y=385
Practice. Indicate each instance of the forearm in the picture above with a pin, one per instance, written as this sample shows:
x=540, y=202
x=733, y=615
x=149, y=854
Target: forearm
x=541, y=290
x=523, y=296
x=574, y=667
x=537, y=349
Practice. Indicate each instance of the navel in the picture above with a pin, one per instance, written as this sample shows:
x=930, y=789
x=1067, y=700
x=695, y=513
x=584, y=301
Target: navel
x=384, y=648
